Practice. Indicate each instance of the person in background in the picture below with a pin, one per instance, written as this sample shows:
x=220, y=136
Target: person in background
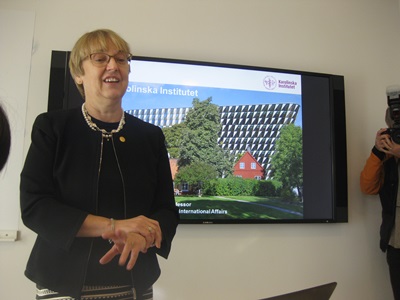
x=381, y=176
x=5, y=138
x=96, y=187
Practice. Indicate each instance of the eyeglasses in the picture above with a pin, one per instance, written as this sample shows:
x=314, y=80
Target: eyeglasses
x=102, y=59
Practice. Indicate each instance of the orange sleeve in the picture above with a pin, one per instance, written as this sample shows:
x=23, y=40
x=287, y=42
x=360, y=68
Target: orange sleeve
x=372, y=176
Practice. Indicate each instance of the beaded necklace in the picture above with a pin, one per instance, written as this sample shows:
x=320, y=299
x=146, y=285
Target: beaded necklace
x=105, y=134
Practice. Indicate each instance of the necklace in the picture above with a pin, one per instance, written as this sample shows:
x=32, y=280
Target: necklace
x=105, y=134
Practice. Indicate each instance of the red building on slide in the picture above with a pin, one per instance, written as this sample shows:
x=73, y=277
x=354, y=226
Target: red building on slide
x=248, y=167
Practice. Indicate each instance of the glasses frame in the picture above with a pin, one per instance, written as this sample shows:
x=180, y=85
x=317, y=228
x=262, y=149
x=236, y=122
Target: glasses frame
x=106, y=62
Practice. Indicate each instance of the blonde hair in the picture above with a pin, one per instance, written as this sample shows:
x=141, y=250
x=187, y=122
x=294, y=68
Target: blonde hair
x=95, y=41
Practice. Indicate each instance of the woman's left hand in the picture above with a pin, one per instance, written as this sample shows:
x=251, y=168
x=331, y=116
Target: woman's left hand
x=127, y=245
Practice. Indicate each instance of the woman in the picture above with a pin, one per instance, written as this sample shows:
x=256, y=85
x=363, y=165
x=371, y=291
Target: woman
x=96, y=187
x=381, y=176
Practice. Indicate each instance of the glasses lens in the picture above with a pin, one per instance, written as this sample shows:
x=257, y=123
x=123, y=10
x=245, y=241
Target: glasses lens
x=121, y=58
x=99, y=58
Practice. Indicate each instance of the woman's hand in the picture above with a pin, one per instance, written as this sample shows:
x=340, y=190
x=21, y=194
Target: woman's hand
x=130, y=237
x=146, y=227
x=127, y=245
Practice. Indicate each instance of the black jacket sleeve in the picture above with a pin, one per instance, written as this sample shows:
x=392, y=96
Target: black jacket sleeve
x=42, y=210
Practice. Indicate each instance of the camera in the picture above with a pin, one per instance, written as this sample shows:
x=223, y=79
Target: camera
x=393, y=101
x=394, y=134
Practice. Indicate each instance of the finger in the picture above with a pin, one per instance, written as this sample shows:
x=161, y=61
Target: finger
x=109, y=255
x=129, y=248
x=380, y=132
x=148, y=235
x=132, y=260
x=387, y=145
x=149, y=230
x=157, y=234
x=139, y=245
x=157, y=238
x=154, y=237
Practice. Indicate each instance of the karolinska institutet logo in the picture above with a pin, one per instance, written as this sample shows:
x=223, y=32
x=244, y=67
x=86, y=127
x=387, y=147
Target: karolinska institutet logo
x=269, y=83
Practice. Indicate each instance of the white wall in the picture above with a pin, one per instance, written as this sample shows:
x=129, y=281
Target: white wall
x=355, y=38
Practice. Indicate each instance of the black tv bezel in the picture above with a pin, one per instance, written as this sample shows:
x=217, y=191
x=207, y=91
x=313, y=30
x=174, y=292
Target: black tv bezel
x=63, y=94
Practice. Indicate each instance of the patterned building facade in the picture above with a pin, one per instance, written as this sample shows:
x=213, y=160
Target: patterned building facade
x=254, y=128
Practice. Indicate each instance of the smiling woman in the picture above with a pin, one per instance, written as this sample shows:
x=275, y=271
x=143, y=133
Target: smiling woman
x=96, y=187
x=96, y=47
x=5, y=138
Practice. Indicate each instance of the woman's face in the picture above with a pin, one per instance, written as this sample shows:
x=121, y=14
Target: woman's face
x=104, y=82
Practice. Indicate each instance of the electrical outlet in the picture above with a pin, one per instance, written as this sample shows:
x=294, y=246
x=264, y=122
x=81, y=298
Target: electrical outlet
x=8, y=235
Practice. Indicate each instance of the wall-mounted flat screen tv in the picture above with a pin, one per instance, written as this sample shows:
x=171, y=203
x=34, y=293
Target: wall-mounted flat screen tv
x=247, y=144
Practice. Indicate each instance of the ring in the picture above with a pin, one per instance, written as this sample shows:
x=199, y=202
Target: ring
x=150, y=229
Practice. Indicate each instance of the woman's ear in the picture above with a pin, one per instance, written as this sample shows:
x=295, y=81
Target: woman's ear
x=78, y=80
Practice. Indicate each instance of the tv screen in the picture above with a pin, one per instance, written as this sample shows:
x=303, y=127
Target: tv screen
x=247, y=144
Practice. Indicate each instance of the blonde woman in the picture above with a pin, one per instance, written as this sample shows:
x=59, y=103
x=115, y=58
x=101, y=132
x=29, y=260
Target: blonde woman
x=96, y=187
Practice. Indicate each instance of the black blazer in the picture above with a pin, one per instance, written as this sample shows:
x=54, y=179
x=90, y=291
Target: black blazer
x=58, y=189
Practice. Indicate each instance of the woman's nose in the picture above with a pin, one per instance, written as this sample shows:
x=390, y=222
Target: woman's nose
x=112, y=64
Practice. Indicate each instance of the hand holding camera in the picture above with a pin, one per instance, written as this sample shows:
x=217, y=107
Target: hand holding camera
x=383, y=140
x=384, y=143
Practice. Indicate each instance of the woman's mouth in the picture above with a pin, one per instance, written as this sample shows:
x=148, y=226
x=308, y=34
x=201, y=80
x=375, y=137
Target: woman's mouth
x=111, y=80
